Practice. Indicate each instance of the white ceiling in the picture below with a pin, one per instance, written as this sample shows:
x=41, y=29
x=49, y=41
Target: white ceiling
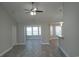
x=53, y=11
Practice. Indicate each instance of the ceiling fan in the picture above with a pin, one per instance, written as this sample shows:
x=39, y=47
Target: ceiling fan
x=33, y=10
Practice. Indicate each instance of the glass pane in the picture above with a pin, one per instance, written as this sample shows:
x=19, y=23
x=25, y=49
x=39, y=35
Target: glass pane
x=35, y=30
x=51, y=30
x=29, y=30
x=39, y=30
x=58, y=31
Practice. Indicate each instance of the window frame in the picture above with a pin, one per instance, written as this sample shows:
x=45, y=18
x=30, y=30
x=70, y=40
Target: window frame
x=39, y=33
x=60, y=35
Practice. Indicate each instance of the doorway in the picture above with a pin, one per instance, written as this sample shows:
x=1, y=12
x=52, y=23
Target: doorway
x=14, y=35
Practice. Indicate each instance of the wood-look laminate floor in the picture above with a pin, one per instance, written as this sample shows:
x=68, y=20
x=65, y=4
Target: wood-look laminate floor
x=33, y=48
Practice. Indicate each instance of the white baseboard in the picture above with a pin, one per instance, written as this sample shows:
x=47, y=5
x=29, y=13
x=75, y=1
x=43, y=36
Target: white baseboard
x=66, y=54
x=20, y=44
x=1, y=54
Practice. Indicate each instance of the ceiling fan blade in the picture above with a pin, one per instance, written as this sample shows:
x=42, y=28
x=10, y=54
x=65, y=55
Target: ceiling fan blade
x=26, y=10
x=39, y=11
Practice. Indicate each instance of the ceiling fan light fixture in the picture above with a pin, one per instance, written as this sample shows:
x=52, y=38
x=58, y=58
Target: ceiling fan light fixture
x=34, y=9
x=32, y=13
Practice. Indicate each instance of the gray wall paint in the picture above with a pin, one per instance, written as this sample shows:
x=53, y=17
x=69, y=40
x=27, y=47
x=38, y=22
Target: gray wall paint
x=45, y=33
x=20, y=33
x=6, y=23
x=70, y=44
x=14, y=34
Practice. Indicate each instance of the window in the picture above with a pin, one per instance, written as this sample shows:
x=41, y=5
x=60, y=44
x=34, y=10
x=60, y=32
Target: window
x=51, y=30
x=32, y=30
x=29, y=30
x=35, y=30
x=58, y=31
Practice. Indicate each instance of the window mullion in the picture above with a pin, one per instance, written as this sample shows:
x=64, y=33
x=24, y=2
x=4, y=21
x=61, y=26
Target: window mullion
x=32, y=30
x=38, y=30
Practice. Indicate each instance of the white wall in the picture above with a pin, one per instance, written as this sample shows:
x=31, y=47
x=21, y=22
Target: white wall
x=70, y=44
x=5, y=30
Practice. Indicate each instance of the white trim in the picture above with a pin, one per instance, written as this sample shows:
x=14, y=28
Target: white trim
x=45, y=43
x=66, y=54
x=1, y=54
x=20, y=44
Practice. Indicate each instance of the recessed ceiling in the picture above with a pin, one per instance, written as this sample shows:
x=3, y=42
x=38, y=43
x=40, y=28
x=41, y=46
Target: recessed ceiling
x=53, y=11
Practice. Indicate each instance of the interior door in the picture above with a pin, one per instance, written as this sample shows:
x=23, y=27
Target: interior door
x=13, y=35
